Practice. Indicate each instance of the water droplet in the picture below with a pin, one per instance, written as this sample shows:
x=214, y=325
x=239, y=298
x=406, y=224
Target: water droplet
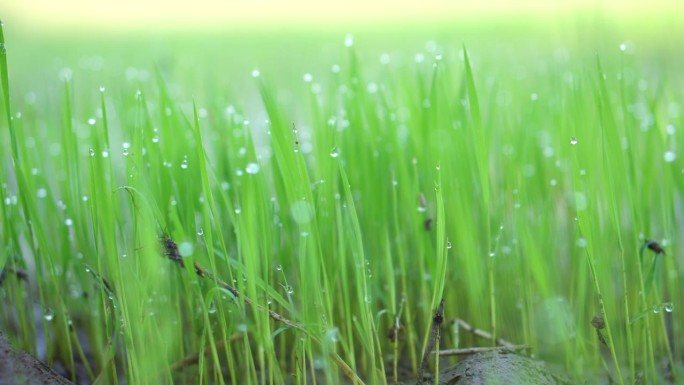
x=308, y=77
x=573, y=140
x=252, y=168
x=69, y=222
x=185, y=249
x=225, y=186
x=334, y=152
x=155, y=139
x=91, y=121
x=289, y=290
x=438, y=167
x=255, y=73
x=581, y=242
x=279, y=267
x=41, y=193
x=200, y=232
x=656, y=309
x=102, y=89
x=580, y=200
x=92, y=152
x=422, y=209
x=332, y=335
x=627, y=47
x=492, y=254
x=212, y=308
x=348, y=40
x=125, y=152
x=65, y=74
x=184, y=163
x=237, y=211
x=302, y=212
x=48, y=315
x=670, y=156
x=669, y=307
x=448, y=244
x=105, y=154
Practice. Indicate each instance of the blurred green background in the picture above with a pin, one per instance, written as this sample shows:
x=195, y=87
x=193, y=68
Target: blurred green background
x=229, y=38
x=216, y=45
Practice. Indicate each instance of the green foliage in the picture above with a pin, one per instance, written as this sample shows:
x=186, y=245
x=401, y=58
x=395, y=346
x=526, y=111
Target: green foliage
x=308, y=221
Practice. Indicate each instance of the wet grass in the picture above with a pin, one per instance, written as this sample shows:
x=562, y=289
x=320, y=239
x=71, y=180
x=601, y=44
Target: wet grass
x=169, y=225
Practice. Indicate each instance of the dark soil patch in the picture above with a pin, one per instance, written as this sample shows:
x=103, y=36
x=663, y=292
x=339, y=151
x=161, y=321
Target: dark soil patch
x=494, y=368
x=21, y=368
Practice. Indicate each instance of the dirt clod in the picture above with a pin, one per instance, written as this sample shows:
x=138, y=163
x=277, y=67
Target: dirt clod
x=495, y=368
x=20, y=368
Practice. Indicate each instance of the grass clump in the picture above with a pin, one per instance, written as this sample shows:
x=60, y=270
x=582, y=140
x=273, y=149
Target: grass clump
x=165, y=238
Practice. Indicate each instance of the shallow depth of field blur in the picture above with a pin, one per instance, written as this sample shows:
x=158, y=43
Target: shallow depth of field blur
x=277, y=193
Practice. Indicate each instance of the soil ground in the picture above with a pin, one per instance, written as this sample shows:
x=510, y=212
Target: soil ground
x=494, y=368
x=19, y=368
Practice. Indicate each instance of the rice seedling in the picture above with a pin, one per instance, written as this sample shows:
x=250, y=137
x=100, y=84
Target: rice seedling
x=182, y=222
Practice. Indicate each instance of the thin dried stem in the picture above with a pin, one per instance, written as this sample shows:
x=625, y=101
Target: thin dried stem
x=482, y=334
x=171, y=252
x=469, y=351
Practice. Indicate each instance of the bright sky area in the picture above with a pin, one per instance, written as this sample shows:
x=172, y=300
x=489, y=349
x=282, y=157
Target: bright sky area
x=127, y=15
